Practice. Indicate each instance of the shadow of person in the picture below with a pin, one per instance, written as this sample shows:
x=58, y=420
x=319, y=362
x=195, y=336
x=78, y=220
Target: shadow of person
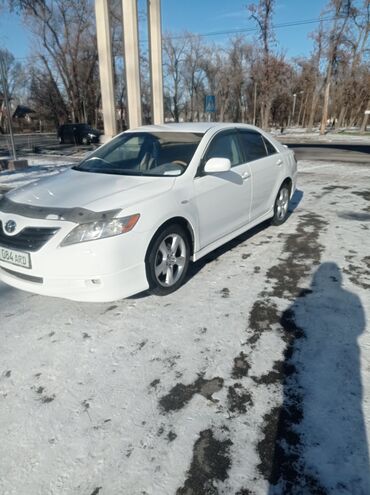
x=321, y=443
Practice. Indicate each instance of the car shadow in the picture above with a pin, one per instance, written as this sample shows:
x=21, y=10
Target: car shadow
x=295, y=200
x=4, y=289
x=320, y=441
x=197, y=266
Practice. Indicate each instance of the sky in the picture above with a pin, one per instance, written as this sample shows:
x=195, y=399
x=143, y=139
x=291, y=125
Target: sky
x=201, y=17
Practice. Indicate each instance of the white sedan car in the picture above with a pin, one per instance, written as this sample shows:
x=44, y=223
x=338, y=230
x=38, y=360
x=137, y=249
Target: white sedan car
x=134, y=213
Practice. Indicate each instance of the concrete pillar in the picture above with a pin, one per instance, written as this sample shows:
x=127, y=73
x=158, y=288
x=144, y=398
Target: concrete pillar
x=104, y=39
x=155, y=44
x=131, y=43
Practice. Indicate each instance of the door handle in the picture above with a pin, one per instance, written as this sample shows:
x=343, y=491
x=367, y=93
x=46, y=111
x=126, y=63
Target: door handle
x=279, y=162
x=246, y=175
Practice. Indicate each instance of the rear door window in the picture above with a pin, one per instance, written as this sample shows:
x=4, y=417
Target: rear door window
x=253, y=145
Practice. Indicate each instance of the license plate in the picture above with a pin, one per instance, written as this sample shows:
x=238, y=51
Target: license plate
x=17, y=258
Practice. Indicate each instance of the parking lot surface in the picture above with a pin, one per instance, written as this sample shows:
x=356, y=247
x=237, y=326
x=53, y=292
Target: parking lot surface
x=253, y=378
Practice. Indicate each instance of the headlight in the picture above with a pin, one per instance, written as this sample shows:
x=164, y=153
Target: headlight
x=99, y=230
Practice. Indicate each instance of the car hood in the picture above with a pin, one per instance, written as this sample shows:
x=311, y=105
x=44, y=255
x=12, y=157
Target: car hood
x=93, y=191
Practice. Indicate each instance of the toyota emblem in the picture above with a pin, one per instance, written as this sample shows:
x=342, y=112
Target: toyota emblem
x=10, y=226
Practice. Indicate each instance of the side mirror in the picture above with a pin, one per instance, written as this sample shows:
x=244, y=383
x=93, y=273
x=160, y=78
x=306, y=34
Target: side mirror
x=215, y=165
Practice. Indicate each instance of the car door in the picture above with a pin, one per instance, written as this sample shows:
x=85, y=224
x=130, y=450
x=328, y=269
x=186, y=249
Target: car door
x=223, y=199
x=266, y=169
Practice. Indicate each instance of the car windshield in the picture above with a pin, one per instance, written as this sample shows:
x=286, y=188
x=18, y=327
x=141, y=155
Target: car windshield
x=143, y=153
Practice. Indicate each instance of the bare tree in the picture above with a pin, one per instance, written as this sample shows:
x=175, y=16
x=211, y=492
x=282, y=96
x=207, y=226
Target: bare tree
x=262, y=13
x=342, y=11
x=194, y=75
x=175, y=53
x=46, y=97
x=332, y=82
x=65, y=33
x=15, y=78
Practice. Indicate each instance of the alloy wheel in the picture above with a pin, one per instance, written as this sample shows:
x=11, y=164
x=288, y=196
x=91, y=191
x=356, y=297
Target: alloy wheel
x=282, y=203
x=170, y=260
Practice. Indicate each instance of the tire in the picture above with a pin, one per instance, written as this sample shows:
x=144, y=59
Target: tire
x=85, y=140
x=281, y=205
x=61, y=140
x=167, y=260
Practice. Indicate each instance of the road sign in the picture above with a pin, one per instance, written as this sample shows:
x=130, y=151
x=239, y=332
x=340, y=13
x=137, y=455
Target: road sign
x=210, y=104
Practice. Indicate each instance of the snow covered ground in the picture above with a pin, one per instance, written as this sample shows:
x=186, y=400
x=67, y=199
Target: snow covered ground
x=38, y=167
x=252, y=379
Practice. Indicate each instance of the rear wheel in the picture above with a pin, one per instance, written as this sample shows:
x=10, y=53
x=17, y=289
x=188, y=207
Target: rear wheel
x=168, y=260
x=281, y=205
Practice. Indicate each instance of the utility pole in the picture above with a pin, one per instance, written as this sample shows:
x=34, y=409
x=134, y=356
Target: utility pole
x=300, y=108
x=293, y=110
x=6, y=100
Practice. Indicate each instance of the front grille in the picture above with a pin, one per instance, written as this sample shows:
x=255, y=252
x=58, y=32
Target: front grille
x=28, y=239
x=23, y=276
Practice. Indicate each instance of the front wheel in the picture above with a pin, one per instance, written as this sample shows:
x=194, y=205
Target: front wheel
x=168, y=260
x=281, y=205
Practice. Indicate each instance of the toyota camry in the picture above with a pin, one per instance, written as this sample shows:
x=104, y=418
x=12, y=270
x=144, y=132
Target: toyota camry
x=135, y=212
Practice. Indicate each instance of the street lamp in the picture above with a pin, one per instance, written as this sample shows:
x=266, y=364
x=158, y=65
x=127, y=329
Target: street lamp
x=293, y=110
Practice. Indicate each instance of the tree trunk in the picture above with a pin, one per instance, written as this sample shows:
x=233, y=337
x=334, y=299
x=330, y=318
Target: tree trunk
x=176, y=112
x=325, y=107
x=311, y=120
x=365, y=119
x=339, y=122
x=265, y=115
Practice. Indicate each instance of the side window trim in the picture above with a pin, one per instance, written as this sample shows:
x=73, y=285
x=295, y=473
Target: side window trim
x=265, y=141
x=241, y=146
x=264, y=144
x=252, y=131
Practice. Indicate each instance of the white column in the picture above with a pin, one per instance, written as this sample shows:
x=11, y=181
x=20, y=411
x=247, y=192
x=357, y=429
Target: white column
x=155, y=43
x=103, y=33
x=131, y=43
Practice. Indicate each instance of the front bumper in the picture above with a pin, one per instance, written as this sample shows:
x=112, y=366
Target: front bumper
x=95, y=288
x=96, y=271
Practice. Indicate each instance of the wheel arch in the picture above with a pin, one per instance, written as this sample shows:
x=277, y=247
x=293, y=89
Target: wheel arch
x=178, y=220
x=288, y=181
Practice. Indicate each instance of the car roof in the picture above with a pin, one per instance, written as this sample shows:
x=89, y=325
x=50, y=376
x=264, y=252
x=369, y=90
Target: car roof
x=196, y=127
